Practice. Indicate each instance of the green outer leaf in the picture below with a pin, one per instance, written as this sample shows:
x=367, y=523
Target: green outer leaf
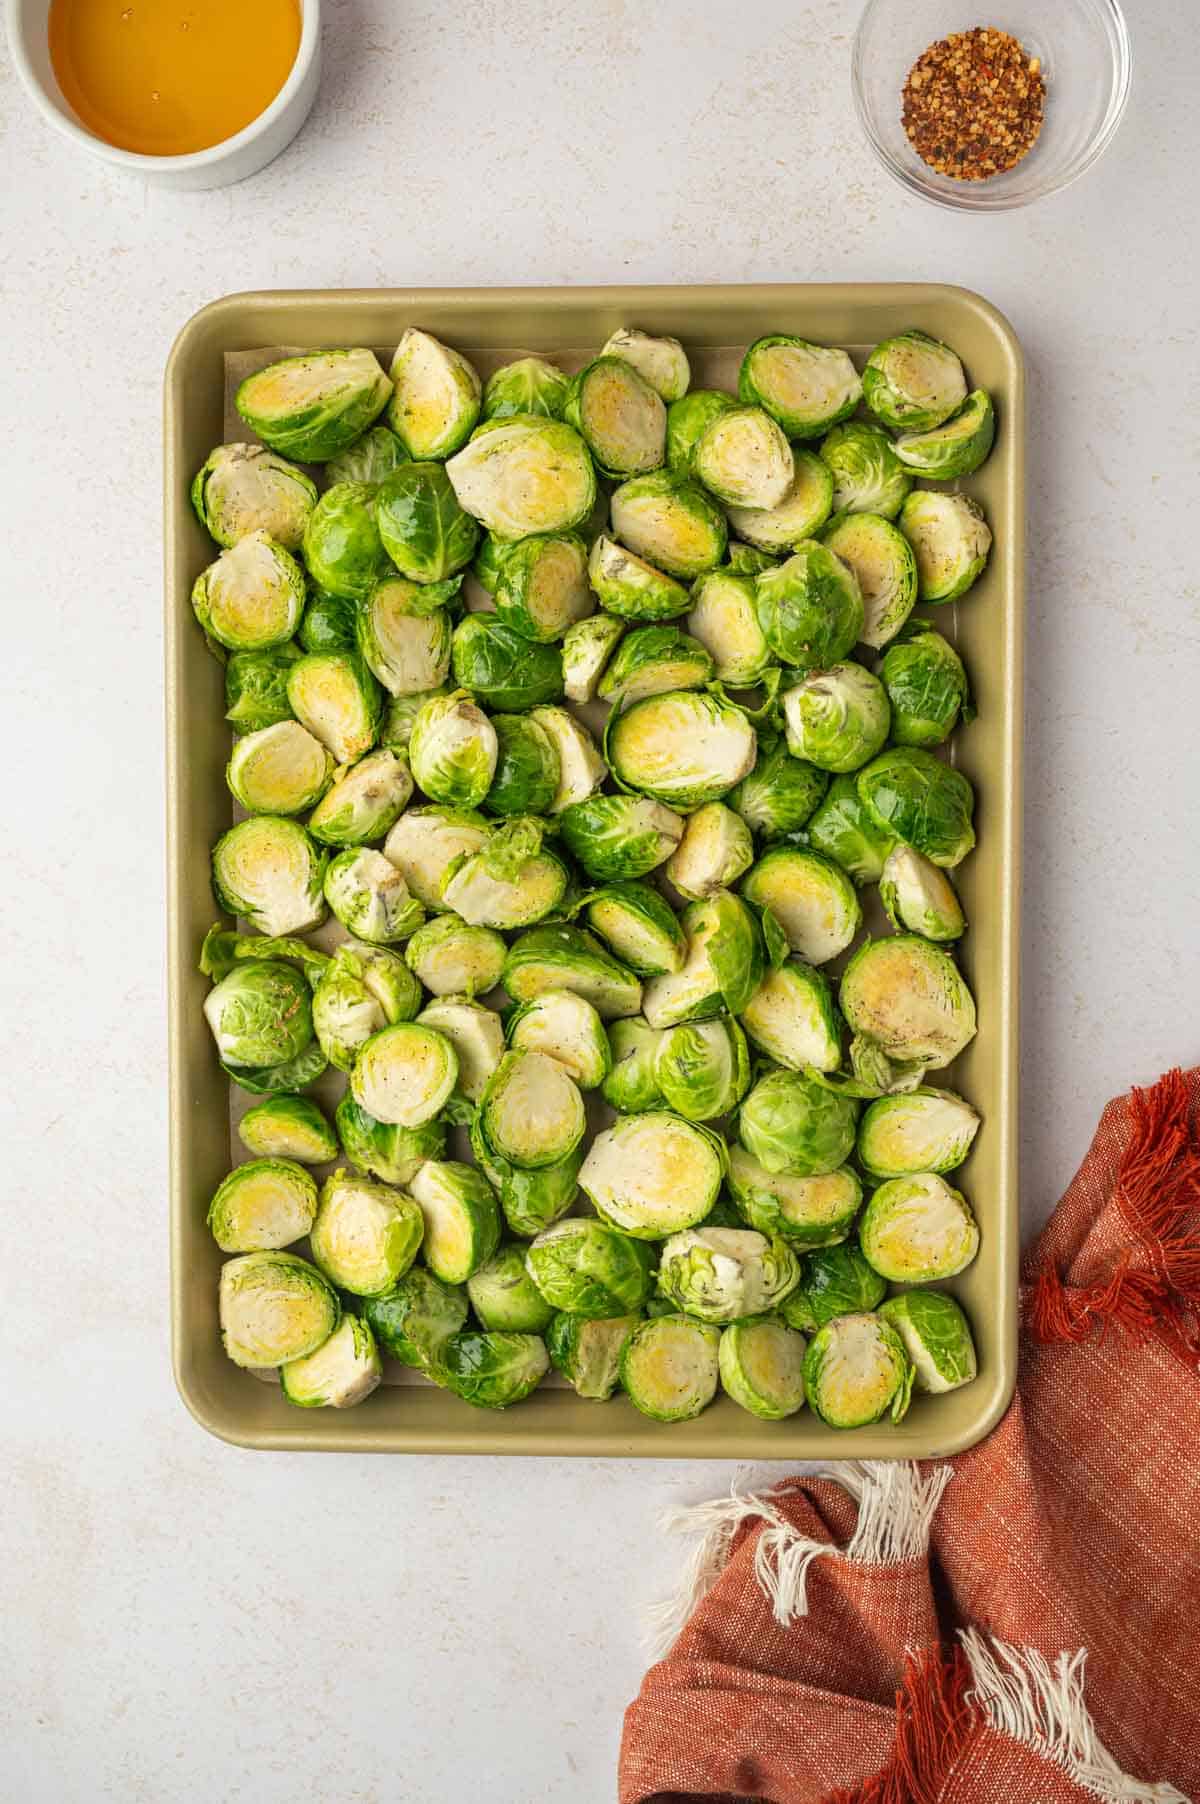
x=424, y=531
x=501, y=668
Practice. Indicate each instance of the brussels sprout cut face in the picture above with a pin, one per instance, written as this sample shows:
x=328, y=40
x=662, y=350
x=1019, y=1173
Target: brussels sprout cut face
x=721, y=1274
x=791, y=1123
x=491, y=1370
x=369, y=459
x=653, y=1174
x=780, y=793
x=274, y=1307
x=724, y=618
x=926, y=686
x=917, y=1229
x=762, y=1367
x=405, y=643
x=886, y=570
x=671, y=523
x=810, y=608
x=528, y=386
x=811, y=898
x=588, y=1353
x=914, y=797
x=265, y=1204
x=630, y=587
x=950, y=540
x=620, y=416
x=366, y=1235
x=837, y=718
x=525, y=475
x=417, y=1317
x=743, y=458
x=909, y=998
x=842, y=830
x=452, y=958
x=342, y=547
x=715, y=850
x=687, y=419
x=342, y=1372
x=383, y=1150
x=335, y=696
x=703, y=1068
x=586, y=649
x=619, y=837
x=369, y=896
x=252, y=597
x=242, y=489
x=581, y=768
x=913, y=382
x=477, y=1036
x=652, y=660
x=919, y=898
x=804, y=1211
x=504, y=1297
x=956, y=448
x=405, y=1075
x=808, y=388
x=279, y=770
x=662, y=362
x=364, y=800
x=435, y=397
x=314, y=406
x=453, y=750
x=268, y=870
x=288, y=1127
x=256, y=687
x=868, y=477
x=791, y=1017
x=681, y=748
x=559, y=957
x=423, y=526
x=856, y=1371
x=835, y=1281
x=669, y=1368
x=936, y=1336
x=462, y=1218
x=567, y=1028
x=802, y=512
x=542, y=586
x=425, y=842
x=931, y=1130
x=590, y=1269
x=532, y=1110
x=511, y=883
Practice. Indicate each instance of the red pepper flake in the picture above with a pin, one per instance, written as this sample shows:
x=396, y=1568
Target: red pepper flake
x=973, y=104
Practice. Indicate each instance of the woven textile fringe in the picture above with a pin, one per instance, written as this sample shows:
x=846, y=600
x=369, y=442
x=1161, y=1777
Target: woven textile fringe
x=896, y=1505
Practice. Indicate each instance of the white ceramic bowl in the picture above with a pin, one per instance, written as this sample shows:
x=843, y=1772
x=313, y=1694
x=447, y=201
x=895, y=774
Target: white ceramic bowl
x=244, y=154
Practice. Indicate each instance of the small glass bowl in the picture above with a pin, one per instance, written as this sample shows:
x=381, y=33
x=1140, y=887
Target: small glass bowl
x=1085, y=55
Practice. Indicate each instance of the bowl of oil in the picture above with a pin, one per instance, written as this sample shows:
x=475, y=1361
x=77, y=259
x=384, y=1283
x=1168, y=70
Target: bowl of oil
x=187, y=93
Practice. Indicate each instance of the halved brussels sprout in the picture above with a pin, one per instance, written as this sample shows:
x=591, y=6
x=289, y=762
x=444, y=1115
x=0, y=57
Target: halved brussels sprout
x=342, y=547
x=926, y=686
x=936, y=1336
x=856, y=1371
x=834, y=1280
x=781, y=793
x=565, y=1027
x=417, y=1318
x=405, y=1075
x=721, y=1274
x=620, y=837
x=262, y=1205
x=343, y=1371
x=513, y=882
x=802, y=512
x=529, y=386
x=581, y=768
x=748, y=560
x=930, y=1130
x=261, y=1018
x=794, y=1124
x=425, y=530
x=382, y=1149
x=435, y=396
x=837, y=718
x=586, y=648
x=364, y=800
x=560, y=957
x=527, y=767
x=917, y=1229
x=369, y=459
x=724, y=618
x=502, y=668
x=224, y=947
x=842, y=830
x=504, y=1296
x=620, y=416
x=542, y=586
x=425, y=842
x=477, y=1036
x=806, y=387
x=631, y=1086
x=913, y=796
x=531, y=1200
x=630, y=587
x=400, y=717
x=462, y=1219
x=313, y=406
x=683, y=747
x=405, y=641
x=725, y=962
x=361, y=990
x=268, y=870
x=703, y=1068
x=913, y=382
x=715, y=850
x=256, y=687
x=810, y=608
x=452, y=958
x=652, y=660
x=252, y=597
x=370, y=897
x=532, y=1111
x=588, y=1351
x=950, y=539
x=743, y=458
x=671, y=523
x=335, y=696
x=240, y=489
x=812, y=1211
x=886, y=570
x=662, y=362
x=653, y=1174
x=279, y=770
x=918, y=898
x=274, y=1307
x=669, y=1368
x=524, y=475
x=868, y=477
x=687, y=420
x=288, y=1127
x=762, y=1367
x=491, y=1371
x=909, y=998
x=811, y=897
x=329, y=622
x=453, y=750
x=955, y=448
x=792, y=1018
x=591, y=1269
x=366, y=1235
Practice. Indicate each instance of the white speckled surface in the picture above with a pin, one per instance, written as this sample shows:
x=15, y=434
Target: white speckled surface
x=190, y=1622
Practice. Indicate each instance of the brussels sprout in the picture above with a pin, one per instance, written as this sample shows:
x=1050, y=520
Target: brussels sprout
x=256, y=687
x=793, y=1124
x=403, y=640
x=687, y=420
x=342, y=547
x=252, y=597
x=950, y=539
x=532, y=1111
x=761, y=1363
x=581, y=768
x=808, y=1211
x=260, y=1016
x=335, y=696
x=288, y=1127
x=926, y=686
x=724, y=618
x=652, y=660
x=588, y=1351
x=280, y=769
x=883, y=562
x=491, y=1370
x=417, y=1317
x=721, y=1274
x=400, y=717
x=240, y=489
x=791, y=1017
x=343, y=1371
x=369, y=896
x=369, y=459
x=363, y=989
x=806, y=387
x=620, y=416
x=662, y=362
x=703, y=1068
x=671, y=523
x=916, y=1229
x=560, y=957
x=909, y=998
x=724, y=965
x=652, y=1174
x=329, y=623
x=631, y=1086
x=542, y=586
x=262, y=1205
x=364, y=800
x=527, y=767
x=453, y=751
x=525, y=475
x=834, y=1281
x=669, y=1368
x=512, y=882
x=565, y=1027
x=879, y=1075
x=811, y=897
x=530, y=386
x=930, y=1130
x=955, y=448
x=919, y=898
x=842, y=830
x=531, y=1200
x=810, y=608
x=452, y=958
x=748, y=560
x=423, y=526
x=837, y=718
x=477, y=1036
x=501, y=668
x=366, y=1235
x=780, y=794
x=621, y=836
x=462, y=1218
x=586, y=649
x=715, y=850
x=383, y=1150
x=268, y=870
x=913, y=796
x=682, y=747
x=274, y=1307
x=743, y=458
x=590, y=1269
x=913, y=382
x=405, y=1075
x=868, y=477
x=425, y=842
x=313, y=406
x=936, y=1336
x=223, y=948
x=856, y=1371
x=435, y=397
x=504, y=1297
x=630, y=587
x=803, y=511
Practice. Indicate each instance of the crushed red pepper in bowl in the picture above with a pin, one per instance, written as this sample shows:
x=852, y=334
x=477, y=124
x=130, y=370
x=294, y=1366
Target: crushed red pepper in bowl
x=974, y=104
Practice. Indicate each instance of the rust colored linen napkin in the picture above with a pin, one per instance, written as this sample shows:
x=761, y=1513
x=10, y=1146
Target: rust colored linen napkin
x=1019, y=1625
